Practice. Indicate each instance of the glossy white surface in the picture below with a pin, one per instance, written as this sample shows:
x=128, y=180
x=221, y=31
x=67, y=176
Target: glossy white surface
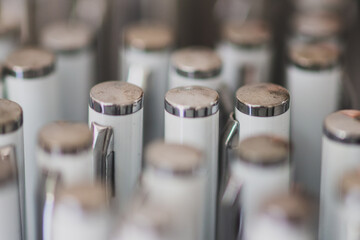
x=76, y=77
x=258, y=184
x=182, y=197
x=73, y=168
x=236, y=58
x=71, y=224
x=314, y=95
x=16, y=139
x=176, y=80
x=252, y=125
x=349, y=220
x=337, y=159
x=39, y=100
x=7, y=45
x=201, y=133
x=155, y=63
x=266, y=228
x=137, y=233
x=10, y=227
x=128, y=132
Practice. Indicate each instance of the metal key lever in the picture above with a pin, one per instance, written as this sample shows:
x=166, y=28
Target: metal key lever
x=47, y=188
x=103, y=145
x=230, y=215
x=8, y=161
x=228, y=141
x=226, y=104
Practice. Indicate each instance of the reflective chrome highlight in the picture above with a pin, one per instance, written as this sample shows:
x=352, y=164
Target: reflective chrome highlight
x=103, y=145
x=192, y=102
x=262, y=100
x=230, y=215
x=29, y=63
x=11, y=116
x=48, y=186
x=117, y=102
x=198, y=74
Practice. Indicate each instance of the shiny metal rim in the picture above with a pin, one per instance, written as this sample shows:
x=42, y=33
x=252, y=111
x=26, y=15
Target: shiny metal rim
x=187, y=112
x=280, y=162
x=347, y=139
x=11, y=126
x=64, y=151
x=74, y=51
x=29, y=73
x=116, y=110
x=315, y=68
x=263, y=111
x=198, y=74
x=176, y=173
x=253, y=47
x=147, y=50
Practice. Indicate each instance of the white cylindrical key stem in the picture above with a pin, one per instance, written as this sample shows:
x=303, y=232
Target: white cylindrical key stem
x=10, y=220
x=30, y=80
x=71, y=43
x=117, y=108
x=11, y=134
x=246, y=53
x=173, y=178
x=66, y=148
x=284, y=217
x=348, y=206
x=340, y=154
x=145, y=60
x=263, y=109
x=144, y=221
x=262, y=169
x=81, y=212
x=192, y=118
x=314, y=67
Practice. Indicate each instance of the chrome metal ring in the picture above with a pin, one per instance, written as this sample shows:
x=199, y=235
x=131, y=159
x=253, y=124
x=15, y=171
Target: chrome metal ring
x=63, y=151
x=11, y=126
x=279, y=162
x=198, y=74
x=263, y=111
x=189, y=112
x=116, y=98
x=29, y=73
x=184, y=173
x=350, y=139
x=115, y=110
x=12, y=116
x=315, y=68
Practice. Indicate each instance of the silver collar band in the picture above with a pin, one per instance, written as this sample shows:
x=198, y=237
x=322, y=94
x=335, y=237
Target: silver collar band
x=11, y=116
x=192, y=102
x=262, y=100
x=116, y=98
x=343, y=126
x=29, y=63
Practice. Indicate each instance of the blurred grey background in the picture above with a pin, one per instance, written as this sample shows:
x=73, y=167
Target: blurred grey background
x=196, y=22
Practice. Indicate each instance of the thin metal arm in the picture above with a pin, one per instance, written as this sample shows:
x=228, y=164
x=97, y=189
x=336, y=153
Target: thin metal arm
x=230, y=215
x=48, y=186
x=228, y=209
x=103, y=146
x=228, y=140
